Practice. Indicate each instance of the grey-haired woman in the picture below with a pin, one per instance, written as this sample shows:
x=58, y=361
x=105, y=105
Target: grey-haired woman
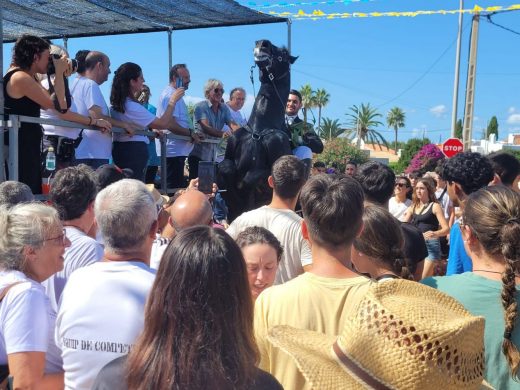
x=32, y=244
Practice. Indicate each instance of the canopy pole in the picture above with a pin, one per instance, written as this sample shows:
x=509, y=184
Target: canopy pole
x=2, y=155
x=2, y=63
x=65, y=44
x=289, y=22
x=170, y=64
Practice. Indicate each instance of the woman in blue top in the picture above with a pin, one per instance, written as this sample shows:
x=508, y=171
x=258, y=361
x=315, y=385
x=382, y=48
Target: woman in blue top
x=131, y=151
x=490, y=228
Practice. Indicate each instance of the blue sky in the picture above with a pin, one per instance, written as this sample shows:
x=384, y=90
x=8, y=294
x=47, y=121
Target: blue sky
x=357, y=60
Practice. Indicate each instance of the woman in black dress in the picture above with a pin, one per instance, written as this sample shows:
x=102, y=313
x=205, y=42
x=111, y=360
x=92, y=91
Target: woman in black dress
x=24, y=95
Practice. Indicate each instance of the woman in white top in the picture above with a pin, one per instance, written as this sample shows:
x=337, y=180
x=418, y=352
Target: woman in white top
x=59, y=137
x=32, y=244
x=131, y=151
x=400, y=202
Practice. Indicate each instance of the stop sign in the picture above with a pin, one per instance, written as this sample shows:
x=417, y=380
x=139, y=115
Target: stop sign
x=452, y=146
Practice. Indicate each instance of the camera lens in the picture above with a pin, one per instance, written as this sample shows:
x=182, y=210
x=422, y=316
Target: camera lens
x=74, y=64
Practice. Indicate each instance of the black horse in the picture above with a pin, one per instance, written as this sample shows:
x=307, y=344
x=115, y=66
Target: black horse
x=253, y=149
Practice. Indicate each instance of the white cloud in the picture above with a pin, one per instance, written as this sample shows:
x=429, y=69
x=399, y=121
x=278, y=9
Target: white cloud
x=476, y=119
x=193, y=99
x=439, y=110
x=514, y=119
x=416, y=132
x=511, y=110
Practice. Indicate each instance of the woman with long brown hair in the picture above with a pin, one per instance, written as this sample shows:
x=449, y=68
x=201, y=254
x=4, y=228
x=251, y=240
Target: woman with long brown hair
x=198, y=330
x=490, y=228
x=378, y=250
x=426, y=213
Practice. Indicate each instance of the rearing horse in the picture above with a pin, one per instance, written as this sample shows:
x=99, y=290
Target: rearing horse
x=253, y=149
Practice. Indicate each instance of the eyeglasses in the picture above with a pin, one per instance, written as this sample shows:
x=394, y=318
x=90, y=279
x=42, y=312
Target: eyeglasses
x=62, y=237
x=218, y=90
x=400, y=185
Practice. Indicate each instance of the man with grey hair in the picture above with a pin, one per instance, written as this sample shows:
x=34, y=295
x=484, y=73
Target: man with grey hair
x=210, y=116
x=102, y=306
x=14, y=192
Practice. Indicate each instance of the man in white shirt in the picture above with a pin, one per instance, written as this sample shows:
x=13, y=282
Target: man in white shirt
x=73, y=193
x=95, y=147
x=177, y=150
x=101, y=311
x=287, y=179
x=237, y=98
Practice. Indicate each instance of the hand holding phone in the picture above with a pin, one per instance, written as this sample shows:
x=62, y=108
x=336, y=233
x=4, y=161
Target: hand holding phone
x=207, y=173
x=179, y=83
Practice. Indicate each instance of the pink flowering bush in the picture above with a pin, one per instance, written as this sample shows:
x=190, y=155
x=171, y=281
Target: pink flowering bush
x=425, y=159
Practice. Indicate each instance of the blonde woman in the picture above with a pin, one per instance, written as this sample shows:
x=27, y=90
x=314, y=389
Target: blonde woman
x=32, y=244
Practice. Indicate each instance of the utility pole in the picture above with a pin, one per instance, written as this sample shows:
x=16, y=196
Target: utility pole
x=470, y=85
x=457, y=72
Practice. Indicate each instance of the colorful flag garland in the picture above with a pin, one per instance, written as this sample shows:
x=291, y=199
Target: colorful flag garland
x=318, y=14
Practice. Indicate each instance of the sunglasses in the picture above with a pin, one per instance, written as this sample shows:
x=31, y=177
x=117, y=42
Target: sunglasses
x=218, y=90
x=400, y=185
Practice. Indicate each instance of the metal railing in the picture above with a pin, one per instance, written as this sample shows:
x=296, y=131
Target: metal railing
x=14, y=122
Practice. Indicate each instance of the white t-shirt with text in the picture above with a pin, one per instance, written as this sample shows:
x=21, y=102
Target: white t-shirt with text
x=101, y=314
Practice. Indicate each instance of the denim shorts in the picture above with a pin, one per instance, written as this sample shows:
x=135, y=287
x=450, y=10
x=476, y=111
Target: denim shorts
x=434, y=249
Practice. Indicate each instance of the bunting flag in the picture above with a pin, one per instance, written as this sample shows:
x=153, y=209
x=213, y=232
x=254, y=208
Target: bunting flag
x=318, y=14
x=285, y=4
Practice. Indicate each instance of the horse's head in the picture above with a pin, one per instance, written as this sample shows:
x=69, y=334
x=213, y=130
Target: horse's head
x=272, y=60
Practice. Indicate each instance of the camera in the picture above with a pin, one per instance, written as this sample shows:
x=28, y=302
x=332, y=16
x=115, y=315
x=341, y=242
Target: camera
x=51, y=70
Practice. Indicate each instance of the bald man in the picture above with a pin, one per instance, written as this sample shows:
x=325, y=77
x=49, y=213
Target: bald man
x=190, y=209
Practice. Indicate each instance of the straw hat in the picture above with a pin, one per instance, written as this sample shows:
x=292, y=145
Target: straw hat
x=404, y=335
x=156, y=195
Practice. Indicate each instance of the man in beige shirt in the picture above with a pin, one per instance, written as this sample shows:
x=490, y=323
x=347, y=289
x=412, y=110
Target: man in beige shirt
x=323, y=298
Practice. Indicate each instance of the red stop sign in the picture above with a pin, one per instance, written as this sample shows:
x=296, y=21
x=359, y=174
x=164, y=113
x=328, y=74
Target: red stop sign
x=452, y=146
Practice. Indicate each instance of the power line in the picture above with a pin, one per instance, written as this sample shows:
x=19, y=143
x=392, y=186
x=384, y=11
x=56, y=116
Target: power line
x=488, y=18
x=424, y=74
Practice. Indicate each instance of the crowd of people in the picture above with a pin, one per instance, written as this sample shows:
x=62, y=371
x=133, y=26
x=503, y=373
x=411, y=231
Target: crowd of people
x=37, y=85
x=111, y=285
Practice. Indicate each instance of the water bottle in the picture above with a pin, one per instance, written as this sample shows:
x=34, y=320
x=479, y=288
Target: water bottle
x=50, y=161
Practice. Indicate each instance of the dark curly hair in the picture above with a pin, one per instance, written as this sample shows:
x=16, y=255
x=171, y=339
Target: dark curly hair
x=471, y=170
x=121, y=85
x=377, y=181
x=26, y=47
x=72, y=191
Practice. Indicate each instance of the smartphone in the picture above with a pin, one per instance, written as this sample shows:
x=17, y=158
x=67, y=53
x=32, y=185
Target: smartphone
x=179, y=83
x=207, y=173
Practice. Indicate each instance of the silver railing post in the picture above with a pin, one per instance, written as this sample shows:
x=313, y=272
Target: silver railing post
x=3, y=129
x=13, y=147
x=164, y=168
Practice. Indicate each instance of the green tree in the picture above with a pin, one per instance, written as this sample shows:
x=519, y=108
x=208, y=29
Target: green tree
x=408, y=151
x=492, y=127
x=321, y=99
x=395, y=119
x=331, y=128
x=362, y=120
x=338, y=150
x=458, y=129
x=308, y=100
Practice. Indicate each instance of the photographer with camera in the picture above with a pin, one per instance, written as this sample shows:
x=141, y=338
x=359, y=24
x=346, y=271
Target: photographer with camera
x=25, y=96
x=64, y=140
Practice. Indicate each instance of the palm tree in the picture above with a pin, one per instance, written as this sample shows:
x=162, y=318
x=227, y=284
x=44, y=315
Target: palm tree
x=331, y=128
x=308, y=100
x=321, y=98
x=362, y=120
x=395, y=119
